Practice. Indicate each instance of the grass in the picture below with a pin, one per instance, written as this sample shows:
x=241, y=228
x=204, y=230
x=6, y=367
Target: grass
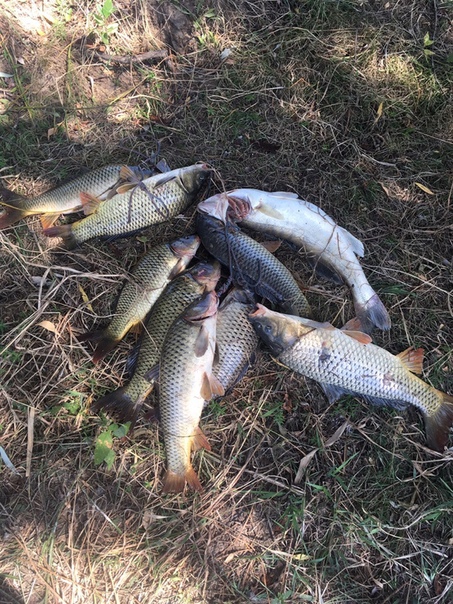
x=338, y=101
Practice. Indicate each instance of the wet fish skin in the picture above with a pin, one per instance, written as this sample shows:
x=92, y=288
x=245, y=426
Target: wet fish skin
x=348, y=363
x=251, y=265
x=155, y=200
x=236, y=339
x=185, y=383
x=334, y=250
x=147, y=282
x=65, y=199
x=182, y=291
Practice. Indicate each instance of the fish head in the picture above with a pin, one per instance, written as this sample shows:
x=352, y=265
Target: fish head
x=216, y=206
x=207, y=274
x=202, y=309
x=242, y=202
x=194, y=178
x=278, y=331
x=186, y=247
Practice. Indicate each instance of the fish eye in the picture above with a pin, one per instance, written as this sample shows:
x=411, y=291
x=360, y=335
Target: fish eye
x=268, y=329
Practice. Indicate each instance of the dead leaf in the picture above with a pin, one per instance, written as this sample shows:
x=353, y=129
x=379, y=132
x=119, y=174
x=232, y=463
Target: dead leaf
x=304, y=464
x=149, y=517
x=423, y=188
x=49, y=326
x=379, y=112
x=85, y=298
x=337, y=435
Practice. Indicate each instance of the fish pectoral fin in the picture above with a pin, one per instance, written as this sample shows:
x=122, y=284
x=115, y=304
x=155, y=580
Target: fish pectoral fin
x=127, y=174
x=361, y=337
x=48, y=220
x=268, y=210
x=179, y=266
x=332, y=392
x=412, y=359
x=206, y=390
x=199, y=441
x=271, y=246
x=152, y=374
x=166, y=177
x=353, y=324
x=90, y=203
x=216, y=386
x=202, y=342
x=125, y=187
x=284, y=194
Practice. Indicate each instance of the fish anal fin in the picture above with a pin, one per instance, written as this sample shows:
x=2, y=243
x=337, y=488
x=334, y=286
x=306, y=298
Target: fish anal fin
x=438, y=425
x=90, y=203
x=199, y=441
x=271, y=246
x=48, y=220
x=412, y=359
x=361, y=337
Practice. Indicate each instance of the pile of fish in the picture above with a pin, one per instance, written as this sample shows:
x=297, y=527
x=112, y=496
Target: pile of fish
x=194, y=349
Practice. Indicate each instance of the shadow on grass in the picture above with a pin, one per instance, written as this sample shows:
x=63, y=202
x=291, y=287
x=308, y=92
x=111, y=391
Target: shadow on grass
x=8, y=595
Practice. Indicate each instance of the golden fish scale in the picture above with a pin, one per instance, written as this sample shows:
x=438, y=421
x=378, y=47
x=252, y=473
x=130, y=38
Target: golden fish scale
x=133, y=210
x=180, y=385
x=178, y=295
x=332, y=357
x=143, y=289
x=67, y=196
x=236, y=342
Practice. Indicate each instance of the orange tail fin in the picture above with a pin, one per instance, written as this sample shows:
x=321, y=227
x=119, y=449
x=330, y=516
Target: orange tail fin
x=174, y=483
x=438, y=425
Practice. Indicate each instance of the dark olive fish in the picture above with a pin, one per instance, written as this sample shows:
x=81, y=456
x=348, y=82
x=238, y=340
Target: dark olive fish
x=251, y=265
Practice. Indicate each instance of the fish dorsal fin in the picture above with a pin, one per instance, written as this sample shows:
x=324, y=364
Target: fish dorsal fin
x=271, y=246
x=268, y=210
x=361, y=337
x=127, y=174
x=162, y=166
x=48, y=220
x=202, y=342
x=90, y=203
x=356, y=244
x=199, y=440
x=412, y=359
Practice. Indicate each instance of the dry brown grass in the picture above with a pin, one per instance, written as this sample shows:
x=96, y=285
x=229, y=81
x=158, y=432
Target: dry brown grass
x=297, y=105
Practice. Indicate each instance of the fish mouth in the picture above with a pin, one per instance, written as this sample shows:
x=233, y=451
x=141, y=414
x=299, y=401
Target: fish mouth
x=259, y=312
x=204, y=308
x=208, y=274
x=186, y=246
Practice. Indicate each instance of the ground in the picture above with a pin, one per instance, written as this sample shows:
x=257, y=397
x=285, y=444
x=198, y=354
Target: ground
x=348, y=103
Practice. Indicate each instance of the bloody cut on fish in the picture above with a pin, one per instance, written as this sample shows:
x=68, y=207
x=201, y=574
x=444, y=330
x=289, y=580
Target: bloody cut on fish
x=346, y=362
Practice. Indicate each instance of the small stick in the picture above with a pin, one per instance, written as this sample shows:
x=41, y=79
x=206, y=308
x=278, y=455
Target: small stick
x=30, y=429
x=154, y=55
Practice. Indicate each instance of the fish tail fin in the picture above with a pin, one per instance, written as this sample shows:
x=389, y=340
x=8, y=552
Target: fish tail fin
x=11, y=211
x=120, y=404
x=373, y=313
x=105, y=342
x=65, y=232
x=174, y=483
x=438, y=426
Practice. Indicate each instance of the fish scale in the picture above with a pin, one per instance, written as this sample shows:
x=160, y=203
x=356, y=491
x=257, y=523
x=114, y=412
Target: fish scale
x=155, y=200
x=236, y=339
x=177, y=296
x=251, y=264
x=147, y=282
x=346, y=362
